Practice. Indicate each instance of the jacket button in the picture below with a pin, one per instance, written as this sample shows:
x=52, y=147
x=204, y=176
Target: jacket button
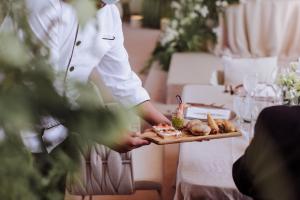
x=78, y=43
x=72, y=68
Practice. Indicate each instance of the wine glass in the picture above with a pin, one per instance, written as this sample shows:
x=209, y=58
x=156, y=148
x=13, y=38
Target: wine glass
x=250, y=83
x=238, y=108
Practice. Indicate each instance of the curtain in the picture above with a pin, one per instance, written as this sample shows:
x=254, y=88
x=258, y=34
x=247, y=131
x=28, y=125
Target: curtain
x=260, y=28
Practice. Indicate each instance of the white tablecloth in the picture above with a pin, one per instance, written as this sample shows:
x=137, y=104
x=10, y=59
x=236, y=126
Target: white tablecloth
x=205, y=168
x=190, y=68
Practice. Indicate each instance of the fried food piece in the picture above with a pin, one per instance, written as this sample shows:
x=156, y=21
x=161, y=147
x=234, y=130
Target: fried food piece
x=221, y=125
x=192, y=123
x=186, y=122
x=213, y=125
x=178, y=118
x=200, y=130
x=229, y=127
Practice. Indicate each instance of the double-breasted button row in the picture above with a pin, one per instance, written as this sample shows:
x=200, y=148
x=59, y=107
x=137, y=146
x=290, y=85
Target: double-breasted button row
x=72, y=68
x=78, y=43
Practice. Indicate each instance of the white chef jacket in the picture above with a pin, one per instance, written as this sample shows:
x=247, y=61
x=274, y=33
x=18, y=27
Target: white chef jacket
x=98, y=44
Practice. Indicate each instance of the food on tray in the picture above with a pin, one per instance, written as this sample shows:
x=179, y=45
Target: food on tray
x=200, y=130
x=165, y=130
x=221, y=125
x=184, y=128
x=212, y=124
x=192, y=123
x=225, y=126
x=229, y=127
x=178, y=119
x=178, y=123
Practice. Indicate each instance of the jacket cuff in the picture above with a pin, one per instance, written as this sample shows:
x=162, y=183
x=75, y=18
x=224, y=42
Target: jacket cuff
x=135, y=99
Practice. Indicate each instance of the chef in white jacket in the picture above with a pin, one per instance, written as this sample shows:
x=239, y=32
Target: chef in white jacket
x=76, y=51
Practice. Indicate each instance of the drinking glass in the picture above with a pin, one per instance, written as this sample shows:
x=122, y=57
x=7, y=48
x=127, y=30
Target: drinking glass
x=238, y=108
x=250, y=83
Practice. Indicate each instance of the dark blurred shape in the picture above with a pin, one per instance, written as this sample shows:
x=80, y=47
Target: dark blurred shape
x=154, y=10
x=270, y=167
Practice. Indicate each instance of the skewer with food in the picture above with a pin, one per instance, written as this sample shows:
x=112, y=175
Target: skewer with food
x=178, y=120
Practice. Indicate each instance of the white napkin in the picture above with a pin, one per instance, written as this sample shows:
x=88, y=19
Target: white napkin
x=264, y=90
x=201, y=113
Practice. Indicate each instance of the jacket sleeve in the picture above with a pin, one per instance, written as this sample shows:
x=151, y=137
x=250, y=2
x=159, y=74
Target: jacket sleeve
x=116, y=72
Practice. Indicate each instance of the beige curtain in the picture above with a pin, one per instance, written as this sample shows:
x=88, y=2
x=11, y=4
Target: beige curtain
x=262, y=28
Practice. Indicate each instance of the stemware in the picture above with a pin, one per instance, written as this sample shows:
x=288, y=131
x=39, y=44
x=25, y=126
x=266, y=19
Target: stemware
x=250, y=83
x=237, y=107
x=240, y=108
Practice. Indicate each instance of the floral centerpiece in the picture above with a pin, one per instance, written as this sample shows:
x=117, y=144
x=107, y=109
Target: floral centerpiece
x=289, y=81
x=191, y=28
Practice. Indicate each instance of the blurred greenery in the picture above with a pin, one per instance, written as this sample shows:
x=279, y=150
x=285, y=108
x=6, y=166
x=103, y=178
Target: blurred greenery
x=191, y=29
x=154, y=10
x=27, y=95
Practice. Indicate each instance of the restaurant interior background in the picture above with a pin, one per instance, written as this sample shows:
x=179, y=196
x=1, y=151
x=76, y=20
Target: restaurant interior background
x=198, y=49
x=177, y=47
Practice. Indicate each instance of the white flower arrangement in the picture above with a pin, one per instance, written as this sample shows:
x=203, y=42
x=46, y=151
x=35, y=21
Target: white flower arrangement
x=289, y=81
x=190, y=29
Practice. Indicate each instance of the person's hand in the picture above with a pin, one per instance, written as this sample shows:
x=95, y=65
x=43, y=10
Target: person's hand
x=129, y=142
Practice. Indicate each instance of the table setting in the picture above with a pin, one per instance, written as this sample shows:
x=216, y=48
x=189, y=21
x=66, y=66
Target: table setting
x=205, y=169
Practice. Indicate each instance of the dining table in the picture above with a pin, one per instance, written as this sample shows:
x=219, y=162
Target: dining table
x=205, y=168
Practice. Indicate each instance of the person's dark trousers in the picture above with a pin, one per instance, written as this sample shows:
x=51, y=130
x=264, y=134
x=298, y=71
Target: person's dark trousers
x=45, y=163
x=270, y=167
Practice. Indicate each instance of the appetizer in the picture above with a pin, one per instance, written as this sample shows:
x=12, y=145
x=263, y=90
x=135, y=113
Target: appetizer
x=221, y=125
x=229, y=127
x=212, y=124
x=165, y=130
x=200, y=130
x=192, y=127
x=178, y=120
x=225, y=126
x=192, y=123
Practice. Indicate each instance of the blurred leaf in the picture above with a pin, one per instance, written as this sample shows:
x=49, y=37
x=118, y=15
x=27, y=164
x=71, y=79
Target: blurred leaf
x=12, y=51
x=31, y=91
x=85, y=10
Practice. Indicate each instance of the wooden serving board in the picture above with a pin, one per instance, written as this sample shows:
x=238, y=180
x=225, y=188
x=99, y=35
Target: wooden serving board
x=185, y=137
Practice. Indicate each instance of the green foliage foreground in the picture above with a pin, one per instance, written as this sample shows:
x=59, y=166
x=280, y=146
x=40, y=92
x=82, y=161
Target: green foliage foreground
x=26, y=95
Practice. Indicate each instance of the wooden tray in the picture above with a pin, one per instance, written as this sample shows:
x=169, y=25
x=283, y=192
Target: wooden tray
x=153, y=137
